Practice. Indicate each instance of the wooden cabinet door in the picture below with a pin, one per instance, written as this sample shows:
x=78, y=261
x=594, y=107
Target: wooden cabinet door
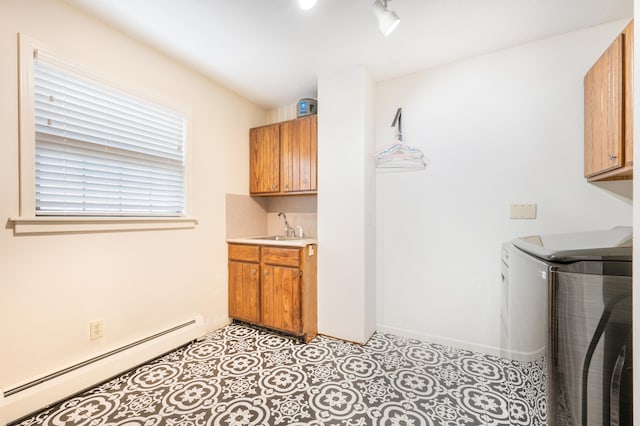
x=281, y=298
x=628, y=94
x=603, y=112
x=264, y=161
x=244, y=291
x=299, y=154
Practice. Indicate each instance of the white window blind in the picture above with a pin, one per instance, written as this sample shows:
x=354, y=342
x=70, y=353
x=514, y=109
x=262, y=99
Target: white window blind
x=103, y=152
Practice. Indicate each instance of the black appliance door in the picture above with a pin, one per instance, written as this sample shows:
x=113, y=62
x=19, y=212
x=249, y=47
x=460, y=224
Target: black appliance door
x=590, y=350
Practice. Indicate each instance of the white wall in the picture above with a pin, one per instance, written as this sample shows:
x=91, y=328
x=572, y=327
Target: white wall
x=346, y=206
x=636, y=214
x=141, y=282
x=497, y=129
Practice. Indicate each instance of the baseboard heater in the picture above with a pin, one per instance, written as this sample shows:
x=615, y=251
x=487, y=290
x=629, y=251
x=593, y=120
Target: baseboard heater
x=34, y=395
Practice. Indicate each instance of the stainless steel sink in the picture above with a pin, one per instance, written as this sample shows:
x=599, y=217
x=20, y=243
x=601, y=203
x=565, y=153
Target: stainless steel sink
x=276, y=238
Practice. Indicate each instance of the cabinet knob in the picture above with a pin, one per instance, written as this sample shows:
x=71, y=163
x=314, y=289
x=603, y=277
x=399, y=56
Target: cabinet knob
x=274, y=186
x=266, y=273
x=612, y=157
x=286, y=186
x=253, y=271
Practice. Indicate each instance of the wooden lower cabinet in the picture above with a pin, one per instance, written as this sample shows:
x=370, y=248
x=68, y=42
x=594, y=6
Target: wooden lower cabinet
x=281, y=299
x=244, y=291
x=274, y=287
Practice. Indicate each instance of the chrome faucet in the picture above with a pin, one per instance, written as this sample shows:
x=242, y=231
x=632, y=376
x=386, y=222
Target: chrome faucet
x=288, y=231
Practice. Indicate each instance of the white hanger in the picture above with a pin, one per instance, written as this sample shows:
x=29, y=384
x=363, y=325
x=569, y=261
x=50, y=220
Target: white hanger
x=398, y=155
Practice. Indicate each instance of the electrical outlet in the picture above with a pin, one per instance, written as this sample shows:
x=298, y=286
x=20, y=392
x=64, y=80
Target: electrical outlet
x=96, y=329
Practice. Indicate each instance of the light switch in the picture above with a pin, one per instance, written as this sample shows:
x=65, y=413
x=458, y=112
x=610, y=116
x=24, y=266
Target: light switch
x=523, y=211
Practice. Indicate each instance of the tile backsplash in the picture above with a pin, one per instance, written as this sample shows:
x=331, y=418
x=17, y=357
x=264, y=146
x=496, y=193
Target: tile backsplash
x=301, y=210
x=256, y=216
x=308, y=221
x=245, y=216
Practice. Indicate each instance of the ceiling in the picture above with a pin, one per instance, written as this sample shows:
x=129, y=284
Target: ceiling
x=272, y=52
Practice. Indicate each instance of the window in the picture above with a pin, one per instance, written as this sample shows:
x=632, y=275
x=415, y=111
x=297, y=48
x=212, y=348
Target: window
x=99, y=151
x=92, y=152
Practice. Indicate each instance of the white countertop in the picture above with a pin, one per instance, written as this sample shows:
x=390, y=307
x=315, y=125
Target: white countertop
x=298, y=242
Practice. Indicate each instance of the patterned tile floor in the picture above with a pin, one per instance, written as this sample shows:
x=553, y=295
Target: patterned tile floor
x=241, y=376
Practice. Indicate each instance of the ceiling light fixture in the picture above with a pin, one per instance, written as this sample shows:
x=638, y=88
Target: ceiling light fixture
x=387, y=19
x=307, y=4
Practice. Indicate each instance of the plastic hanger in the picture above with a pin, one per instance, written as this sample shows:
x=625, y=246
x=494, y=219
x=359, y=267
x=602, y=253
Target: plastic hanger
x=398, y=155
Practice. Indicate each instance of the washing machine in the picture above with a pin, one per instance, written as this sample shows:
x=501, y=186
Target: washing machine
x=569, y=297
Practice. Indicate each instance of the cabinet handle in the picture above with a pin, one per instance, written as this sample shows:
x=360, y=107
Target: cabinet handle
x=253, y=271
x=612, y=157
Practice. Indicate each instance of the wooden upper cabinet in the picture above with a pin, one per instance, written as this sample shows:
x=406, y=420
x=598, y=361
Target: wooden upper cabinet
x=264, y=162
x=608, y=112
x=287, y=165
x=299, y=156
x=628, y=98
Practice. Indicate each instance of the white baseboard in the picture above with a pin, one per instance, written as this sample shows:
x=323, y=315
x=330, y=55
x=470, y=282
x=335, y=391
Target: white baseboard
x=524, y=356
x=432, y=338
x=40, y=395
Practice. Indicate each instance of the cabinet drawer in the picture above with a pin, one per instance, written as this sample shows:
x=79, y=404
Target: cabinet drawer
x=281, y=256
x=244, y=252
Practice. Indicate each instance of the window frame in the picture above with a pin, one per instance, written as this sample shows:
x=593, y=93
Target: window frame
x=28, y=222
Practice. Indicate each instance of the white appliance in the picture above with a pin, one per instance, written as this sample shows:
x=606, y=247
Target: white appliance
x=568, y=296
x=523, y=314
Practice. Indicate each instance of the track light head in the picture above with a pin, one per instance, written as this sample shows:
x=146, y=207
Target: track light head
x=387, y=19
